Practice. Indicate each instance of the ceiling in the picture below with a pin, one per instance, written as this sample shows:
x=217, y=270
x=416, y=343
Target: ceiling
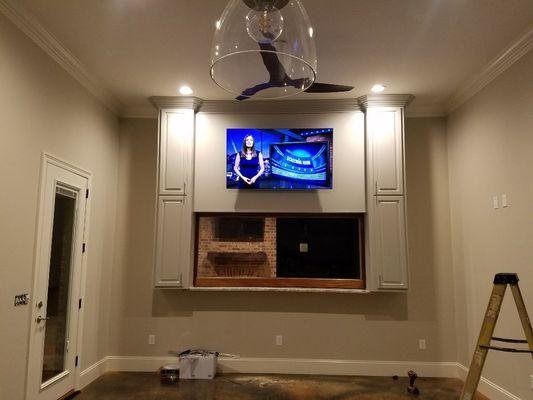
x=429, y=48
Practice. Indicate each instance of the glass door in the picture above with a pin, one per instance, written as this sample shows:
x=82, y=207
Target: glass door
x=52, y=368
x=56, y=339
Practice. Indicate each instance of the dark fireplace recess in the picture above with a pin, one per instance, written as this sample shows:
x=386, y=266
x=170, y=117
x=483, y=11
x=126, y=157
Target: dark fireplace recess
x=318, y=248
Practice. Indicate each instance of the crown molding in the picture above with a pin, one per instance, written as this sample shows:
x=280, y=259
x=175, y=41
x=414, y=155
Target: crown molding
x=314, y=106
x=385, y=100
x=514, y=52
x=23, y=19
x=191, y=102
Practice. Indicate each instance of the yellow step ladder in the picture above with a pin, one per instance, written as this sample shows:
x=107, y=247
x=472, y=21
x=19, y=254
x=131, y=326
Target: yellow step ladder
x=487, y=329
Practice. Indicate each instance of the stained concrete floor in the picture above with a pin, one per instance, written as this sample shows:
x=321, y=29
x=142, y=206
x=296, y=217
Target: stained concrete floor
x=146, y=386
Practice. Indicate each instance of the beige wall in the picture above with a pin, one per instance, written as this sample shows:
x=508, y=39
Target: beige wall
x=335, y=326
x=347, y=194
x=44, y=109
x=490, y=148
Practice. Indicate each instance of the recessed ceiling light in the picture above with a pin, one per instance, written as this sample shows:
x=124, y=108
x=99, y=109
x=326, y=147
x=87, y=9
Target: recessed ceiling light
x=378, y=88
x=186, y=90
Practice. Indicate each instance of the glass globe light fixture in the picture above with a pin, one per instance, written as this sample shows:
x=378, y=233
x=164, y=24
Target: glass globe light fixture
x=263, y=49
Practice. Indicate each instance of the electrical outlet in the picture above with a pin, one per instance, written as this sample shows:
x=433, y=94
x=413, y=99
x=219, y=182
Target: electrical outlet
x=279, y=340
x=151, y=339
x=422, y=344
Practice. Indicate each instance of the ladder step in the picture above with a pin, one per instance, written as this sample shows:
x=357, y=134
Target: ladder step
x=507, y=349
x=509, y=340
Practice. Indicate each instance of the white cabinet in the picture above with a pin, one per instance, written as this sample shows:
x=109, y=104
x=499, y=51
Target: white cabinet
x=173, y=242
x=175, y=221
x=389, y=242
x=175, y=150
x=386, y=247
x=385, y=145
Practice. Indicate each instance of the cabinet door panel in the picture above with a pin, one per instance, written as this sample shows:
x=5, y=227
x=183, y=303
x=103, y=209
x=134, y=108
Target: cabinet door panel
x=390, y=243
x=386, y=138
x=174, y=154
x=172, y=260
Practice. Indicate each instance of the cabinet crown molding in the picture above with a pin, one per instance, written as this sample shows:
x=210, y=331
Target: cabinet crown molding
x=315, y=106
x=189, y=102
x=385, y=100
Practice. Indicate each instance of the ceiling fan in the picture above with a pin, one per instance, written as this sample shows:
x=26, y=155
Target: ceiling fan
x=282, y=35
x=279, y=77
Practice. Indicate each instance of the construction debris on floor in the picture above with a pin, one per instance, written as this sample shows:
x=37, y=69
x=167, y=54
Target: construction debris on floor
x=143, y=386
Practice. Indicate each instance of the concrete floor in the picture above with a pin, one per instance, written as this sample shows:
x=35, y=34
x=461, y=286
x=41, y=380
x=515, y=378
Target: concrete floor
x=146, y=386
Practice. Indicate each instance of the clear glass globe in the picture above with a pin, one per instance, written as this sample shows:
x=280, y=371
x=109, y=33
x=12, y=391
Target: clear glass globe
x=264, y=24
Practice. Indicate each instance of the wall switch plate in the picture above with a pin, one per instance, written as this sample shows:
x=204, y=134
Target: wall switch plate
x=422, y=344
x=531, y=382
x=279, y=340
x=504, y=200
x=304, y=247
x=151, y=339
x=22, y=299
x=495, y=202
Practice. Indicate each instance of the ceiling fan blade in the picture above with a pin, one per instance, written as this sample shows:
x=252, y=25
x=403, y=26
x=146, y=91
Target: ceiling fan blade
x=247, y=93
x=272, y=63
x=318, y=87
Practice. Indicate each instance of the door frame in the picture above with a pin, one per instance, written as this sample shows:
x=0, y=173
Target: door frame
x=49, y=159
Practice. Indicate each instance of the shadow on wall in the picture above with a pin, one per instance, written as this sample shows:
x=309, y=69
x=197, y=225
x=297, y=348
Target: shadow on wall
x=374, y=307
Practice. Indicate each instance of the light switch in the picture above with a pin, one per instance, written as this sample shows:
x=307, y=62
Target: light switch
x=22, y=299
x=304, y=247
x=504, y=200
x=495, y=202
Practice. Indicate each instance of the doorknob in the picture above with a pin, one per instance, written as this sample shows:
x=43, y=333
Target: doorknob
x=39, y=318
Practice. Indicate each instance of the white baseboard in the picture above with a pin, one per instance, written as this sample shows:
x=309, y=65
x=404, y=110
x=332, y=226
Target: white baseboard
x=488, y=388
x=296, y=366
x=92, y=372
x=302, y=366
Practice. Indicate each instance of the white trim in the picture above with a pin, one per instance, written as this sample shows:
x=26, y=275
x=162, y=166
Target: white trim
x=316, y=106
x=295, y=366
x=385, y=100
x=176, y=102
x=249, y=365
x=514, y=52
x=486, y=387
x=92, y=373
x=48, y=159
x=23, y=19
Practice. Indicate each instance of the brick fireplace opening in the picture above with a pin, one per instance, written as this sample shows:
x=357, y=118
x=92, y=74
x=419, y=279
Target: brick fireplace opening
x=239, y=250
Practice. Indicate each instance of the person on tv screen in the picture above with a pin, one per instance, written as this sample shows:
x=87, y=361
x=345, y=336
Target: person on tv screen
x=249, y=165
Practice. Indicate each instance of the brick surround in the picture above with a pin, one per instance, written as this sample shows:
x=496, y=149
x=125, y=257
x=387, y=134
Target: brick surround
x=207, y=267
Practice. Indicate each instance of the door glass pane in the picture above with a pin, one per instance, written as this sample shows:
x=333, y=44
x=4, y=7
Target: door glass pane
x=56, y=335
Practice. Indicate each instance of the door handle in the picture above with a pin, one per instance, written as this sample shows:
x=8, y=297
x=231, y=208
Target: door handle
x=39, y=319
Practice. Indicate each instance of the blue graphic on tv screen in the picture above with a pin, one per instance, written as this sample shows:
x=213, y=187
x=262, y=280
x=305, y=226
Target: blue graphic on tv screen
x=279, y=158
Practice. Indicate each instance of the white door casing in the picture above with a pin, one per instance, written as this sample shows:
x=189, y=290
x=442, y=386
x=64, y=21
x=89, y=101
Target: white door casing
x=56, y=173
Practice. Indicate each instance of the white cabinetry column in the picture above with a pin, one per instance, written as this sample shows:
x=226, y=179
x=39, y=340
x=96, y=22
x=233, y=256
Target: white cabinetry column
x=386, y=229
x=174, y=239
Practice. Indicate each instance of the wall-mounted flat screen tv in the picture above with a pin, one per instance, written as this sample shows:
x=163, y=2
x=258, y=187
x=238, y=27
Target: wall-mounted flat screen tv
x=285, y=159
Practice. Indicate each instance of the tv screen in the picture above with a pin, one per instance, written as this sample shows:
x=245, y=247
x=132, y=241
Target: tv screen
x=299, y=159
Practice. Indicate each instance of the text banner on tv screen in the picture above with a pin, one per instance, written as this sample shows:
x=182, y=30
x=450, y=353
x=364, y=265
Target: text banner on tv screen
x=279, y=159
